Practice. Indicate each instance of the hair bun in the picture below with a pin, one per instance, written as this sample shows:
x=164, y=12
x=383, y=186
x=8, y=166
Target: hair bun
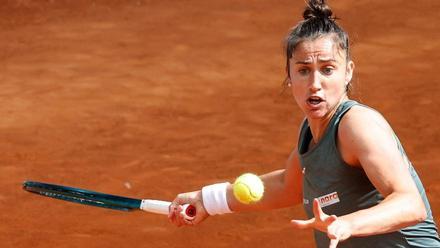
x=317, y=9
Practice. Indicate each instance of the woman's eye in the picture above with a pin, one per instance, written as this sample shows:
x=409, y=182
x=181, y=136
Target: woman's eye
x=303, y=71
x=327, y=70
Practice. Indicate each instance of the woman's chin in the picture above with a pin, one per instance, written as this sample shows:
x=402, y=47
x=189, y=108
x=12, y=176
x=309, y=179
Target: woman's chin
x=316, y=114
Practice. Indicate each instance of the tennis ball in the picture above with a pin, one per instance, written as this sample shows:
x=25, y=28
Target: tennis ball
x=248, y=188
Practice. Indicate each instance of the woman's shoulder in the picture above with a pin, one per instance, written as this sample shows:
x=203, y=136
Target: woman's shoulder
x=364, y=114
x=362, y=131
x=363, y=120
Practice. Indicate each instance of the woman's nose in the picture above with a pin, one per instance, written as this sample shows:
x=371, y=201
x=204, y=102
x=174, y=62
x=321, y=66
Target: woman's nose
x=315, y=84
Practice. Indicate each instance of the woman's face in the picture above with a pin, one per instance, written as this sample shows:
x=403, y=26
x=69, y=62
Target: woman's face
x=319, y=73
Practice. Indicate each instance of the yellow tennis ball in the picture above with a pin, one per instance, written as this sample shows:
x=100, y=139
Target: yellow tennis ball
x=248, y=188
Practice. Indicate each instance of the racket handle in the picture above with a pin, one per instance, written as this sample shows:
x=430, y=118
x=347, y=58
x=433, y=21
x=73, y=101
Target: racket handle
x=162, y=207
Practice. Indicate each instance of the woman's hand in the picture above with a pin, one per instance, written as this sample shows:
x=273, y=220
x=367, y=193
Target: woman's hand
x=337, y=229
x=193, y=198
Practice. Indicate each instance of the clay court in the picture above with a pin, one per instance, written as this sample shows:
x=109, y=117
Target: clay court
x=148, y=98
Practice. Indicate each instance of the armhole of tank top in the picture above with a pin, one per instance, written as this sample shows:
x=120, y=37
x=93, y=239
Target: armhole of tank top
x=397, y=140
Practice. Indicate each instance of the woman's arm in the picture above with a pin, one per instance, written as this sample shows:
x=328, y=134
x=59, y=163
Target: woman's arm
x=367, y=137
x=283, y=188
x=366, y=140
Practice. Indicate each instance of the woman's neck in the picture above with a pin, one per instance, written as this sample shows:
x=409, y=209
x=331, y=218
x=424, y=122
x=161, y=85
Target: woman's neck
x=319, y=126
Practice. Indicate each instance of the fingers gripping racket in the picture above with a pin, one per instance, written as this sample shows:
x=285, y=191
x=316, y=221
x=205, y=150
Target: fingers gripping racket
x=97, y=199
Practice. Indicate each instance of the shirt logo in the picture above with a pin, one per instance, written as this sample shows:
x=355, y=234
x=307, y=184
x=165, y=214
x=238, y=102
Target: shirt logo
x=329, y=199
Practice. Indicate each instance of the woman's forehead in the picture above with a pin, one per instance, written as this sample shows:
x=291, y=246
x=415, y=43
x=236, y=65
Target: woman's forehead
x=323, y=48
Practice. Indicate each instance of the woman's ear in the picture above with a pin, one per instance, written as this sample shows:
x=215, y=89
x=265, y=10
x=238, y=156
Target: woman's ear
x=349, y=72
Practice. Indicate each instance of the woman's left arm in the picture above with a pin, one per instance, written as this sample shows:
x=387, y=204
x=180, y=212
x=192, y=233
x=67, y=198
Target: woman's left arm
x=369, y=141
x=365, y=139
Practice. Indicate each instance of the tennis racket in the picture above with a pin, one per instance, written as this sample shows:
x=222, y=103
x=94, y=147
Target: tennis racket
x=98, y=199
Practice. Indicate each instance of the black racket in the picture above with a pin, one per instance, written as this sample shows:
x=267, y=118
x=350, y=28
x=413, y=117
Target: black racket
x=97, y=199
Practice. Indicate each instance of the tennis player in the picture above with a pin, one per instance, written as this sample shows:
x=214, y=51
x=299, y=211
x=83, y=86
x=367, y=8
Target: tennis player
x=349, y=169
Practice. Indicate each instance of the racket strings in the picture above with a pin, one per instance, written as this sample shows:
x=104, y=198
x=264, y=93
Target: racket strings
x=84, y=197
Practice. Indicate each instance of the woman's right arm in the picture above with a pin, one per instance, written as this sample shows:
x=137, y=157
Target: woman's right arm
x=283, y=188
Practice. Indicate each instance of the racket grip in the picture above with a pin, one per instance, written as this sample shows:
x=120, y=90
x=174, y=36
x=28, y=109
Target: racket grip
x=162, y=207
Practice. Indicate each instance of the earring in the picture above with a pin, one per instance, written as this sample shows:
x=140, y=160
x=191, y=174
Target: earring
x=289, y=85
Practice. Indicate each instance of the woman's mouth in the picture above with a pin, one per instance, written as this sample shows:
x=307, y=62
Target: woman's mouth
x=314, y=100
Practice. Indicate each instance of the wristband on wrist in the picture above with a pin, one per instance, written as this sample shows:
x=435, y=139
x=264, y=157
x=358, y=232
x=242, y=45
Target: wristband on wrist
x=214, y=199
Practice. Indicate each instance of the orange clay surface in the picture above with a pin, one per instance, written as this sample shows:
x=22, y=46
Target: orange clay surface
x=148, y=99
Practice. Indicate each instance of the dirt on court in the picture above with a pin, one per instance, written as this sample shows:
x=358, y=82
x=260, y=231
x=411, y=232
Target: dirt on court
x=149, y=98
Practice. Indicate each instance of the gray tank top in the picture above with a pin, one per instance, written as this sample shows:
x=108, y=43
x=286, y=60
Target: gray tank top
x=342, y=189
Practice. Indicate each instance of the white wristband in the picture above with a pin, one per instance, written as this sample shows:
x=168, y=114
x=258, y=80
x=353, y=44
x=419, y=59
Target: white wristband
x=214, y=199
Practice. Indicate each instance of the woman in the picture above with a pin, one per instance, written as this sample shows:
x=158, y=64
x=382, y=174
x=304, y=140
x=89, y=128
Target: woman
x=349, y=170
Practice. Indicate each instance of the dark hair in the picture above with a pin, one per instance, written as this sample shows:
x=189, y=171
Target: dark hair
x=318, y=21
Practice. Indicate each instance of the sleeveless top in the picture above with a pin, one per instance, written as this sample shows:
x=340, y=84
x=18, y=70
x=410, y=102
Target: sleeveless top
x=342, y=189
